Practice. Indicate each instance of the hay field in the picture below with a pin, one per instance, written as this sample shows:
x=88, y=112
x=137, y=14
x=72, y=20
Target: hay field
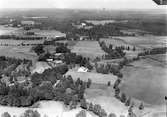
x=89, y=49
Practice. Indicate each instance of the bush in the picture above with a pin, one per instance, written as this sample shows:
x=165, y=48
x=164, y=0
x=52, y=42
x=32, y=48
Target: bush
x=5, y=114
x=123, y=98
x=31, y=113
x=38, y=49
x=128, y=102
x=82, y=113
x=141, y=107
x=112, y=115
x=109, y=83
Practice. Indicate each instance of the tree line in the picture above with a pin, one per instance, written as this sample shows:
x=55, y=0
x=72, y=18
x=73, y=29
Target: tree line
x=112, y=53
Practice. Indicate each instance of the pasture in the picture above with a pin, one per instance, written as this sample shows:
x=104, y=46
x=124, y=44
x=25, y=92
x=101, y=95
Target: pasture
x=89, y=49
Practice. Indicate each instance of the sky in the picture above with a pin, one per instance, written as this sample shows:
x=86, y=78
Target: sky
x=81, y=4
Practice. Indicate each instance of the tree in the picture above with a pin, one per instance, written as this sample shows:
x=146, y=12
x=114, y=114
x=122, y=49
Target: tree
x=31, y=113
x=122, y=115
x=117, y=92
x=89, y=83
x=123, y=98
x=90, y=107
x=116, y=84
x=112, y=115
x=134, y=48
x=141, y=107
x=38, y=49
x=97, y=109
x=83, y=104
x=82, y=113
x=103, y=113
x=109, y=83
x=5, y=114
x=128, y=102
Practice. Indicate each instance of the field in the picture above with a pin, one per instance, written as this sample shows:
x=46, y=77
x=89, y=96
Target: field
x=100, y=93
x=146, y=80
x=119, y=42
x=71, y=44
x=19, y=42
x=7, y=30
x=89, y=49
x=95, y=77
x=116, y=42
x=146, y=41
x=46, y=108
x=22, y=52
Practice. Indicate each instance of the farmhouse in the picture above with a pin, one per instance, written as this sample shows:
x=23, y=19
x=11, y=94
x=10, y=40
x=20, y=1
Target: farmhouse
x=40, y=67
x=83, y=69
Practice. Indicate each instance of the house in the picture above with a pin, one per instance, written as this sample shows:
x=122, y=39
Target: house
x=49, y=60
x=83, y=69
x=27, y=23
x=40, y=67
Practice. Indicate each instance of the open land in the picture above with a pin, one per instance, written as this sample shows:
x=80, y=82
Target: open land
x=89, y=49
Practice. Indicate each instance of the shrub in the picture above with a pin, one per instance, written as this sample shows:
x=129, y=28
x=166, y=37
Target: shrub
x=5, y=114
x=128, y=102
x=31, y=113
x=112, y=115
x=123, y=98
x=141, y=107
x=82, y=113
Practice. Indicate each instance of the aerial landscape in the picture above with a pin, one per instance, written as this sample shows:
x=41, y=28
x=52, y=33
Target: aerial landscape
x=82, y=62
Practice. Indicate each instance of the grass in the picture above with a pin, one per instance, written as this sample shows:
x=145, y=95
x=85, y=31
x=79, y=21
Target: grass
x=49, y=108
x=119, y=42
x=22, y=52
x=146, y=81
x=19, y=42
x=115, y=42
x=89, y=49
x=146, y=41
x=95, y=77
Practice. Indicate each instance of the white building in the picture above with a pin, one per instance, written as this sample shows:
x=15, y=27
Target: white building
x=28, y=22
x=40, y=67
x=83, y=69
